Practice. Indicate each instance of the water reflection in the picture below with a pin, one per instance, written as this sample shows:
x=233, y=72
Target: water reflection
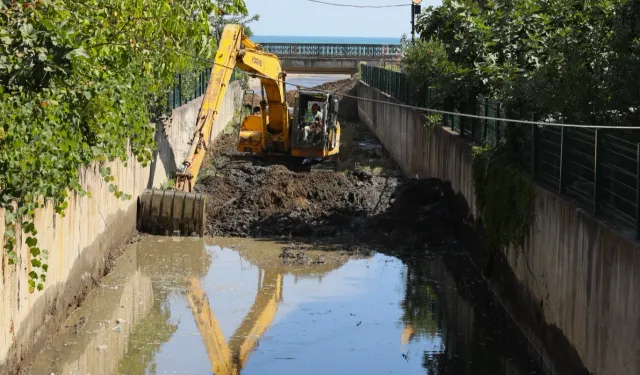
x=98, y=335
x=445, y=296
x=231, y=306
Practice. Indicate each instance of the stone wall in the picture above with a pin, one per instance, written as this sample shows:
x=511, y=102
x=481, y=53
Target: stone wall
x=571, y=289
x=83, y=244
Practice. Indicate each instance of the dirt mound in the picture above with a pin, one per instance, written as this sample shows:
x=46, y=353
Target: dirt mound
x=364, y=204
x=348, y=105
x=254, y=200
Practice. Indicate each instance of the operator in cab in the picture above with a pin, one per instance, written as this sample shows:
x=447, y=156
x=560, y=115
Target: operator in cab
x=313, y=122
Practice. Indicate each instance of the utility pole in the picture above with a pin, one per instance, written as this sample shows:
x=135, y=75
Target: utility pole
x=415, y=10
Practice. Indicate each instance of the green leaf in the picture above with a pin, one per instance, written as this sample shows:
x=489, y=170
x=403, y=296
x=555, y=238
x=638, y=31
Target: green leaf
x=31, y=242
x=36, y=263
x=9, y=217
x=79, y=52
x=35, y=251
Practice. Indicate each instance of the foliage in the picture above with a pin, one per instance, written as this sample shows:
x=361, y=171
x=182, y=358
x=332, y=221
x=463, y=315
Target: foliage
x=147, y=339
x=169, y=184
x=80, y=82
x=560, y=60
x=563, y=59
x=419, y=301
x=404, y=43
x=505, y=196
x=427, y=65
x=228, y=14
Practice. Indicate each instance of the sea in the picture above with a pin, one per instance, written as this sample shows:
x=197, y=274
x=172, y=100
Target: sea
x=324, y=39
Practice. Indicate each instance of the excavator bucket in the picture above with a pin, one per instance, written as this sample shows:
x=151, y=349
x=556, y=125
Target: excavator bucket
x=171, y=212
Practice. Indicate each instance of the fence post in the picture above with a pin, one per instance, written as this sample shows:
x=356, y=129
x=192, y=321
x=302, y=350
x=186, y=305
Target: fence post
x=474, y=121
x=461, y=120
x=486, y=121
x=180, y=89
x=176, y=99
x=597, y=172
x=638, y=192
x=498, y=115
x=407, y=88
x=201, y=82
x=534, y=150
x=563, y=157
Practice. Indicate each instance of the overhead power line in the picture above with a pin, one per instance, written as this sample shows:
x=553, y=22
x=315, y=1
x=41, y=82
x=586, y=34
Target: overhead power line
x=432, y=110
x=360, y=6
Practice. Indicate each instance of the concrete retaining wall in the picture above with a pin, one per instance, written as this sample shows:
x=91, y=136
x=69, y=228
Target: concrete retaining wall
x=572, y=289
x=83, y=244
x=174, y=135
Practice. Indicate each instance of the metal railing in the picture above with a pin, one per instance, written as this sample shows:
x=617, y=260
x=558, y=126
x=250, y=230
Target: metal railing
x=333, y=50
x=191, y=85
x=597, y=168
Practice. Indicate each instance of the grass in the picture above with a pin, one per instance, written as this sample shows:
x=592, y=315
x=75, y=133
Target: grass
x=169, y=184
x=375, y=170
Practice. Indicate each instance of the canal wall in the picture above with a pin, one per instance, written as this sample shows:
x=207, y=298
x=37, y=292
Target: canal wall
x=84, y=242
x=174, y=134
x=572, y=288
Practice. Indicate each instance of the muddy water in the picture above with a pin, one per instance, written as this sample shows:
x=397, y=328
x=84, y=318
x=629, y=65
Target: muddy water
x=228, y=306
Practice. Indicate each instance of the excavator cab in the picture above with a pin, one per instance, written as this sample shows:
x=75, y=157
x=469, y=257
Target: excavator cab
x=310, y=141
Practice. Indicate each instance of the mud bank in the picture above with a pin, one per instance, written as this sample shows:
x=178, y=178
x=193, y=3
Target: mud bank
x=364, y=202
x=348, y=106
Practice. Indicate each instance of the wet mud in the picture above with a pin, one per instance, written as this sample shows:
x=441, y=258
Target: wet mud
x=361, y=199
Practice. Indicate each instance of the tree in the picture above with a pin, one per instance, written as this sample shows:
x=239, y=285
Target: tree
x=80, y=81
x=560, y=58
x=228, y=13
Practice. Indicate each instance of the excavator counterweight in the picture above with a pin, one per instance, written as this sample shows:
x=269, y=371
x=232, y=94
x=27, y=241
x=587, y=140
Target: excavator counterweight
x=310, y=131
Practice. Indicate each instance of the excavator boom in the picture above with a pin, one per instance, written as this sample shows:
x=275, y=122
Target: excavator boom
x=224, y=62
x=182, y=210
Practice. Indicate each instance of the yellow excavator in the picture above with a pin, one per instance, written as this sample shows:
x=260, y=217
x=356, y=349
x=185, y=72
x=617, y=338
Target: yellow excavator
x=273, y=130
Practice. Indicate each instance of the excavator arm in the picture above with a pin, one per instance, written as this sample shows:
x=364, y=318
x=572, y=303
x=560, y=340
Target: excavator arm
x=234, y=50
x=182, y=210
x=228, y=359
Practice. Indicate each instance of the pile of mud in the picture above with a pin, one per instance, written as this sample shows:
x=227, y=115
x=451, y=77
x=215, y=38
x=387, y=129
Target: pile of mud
x=365, y=203
x=341, y=86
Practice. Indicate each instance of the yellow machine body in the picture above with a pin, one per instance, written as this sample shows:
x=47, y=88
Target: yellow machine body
x=268, y=131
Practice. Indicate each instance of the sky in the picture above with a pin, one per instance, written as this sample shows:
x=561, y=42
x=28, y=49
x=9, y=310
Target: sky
x=305, y=18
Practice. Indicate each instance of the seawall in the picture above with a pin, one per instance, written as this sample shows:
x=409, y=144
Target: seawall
x=571, y=289
x=83, y=244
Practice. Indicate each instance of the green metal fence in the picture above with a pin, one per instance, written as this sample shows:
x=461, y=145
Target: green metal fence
x=597, y=168
x=192, y=85
x=333, y=50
